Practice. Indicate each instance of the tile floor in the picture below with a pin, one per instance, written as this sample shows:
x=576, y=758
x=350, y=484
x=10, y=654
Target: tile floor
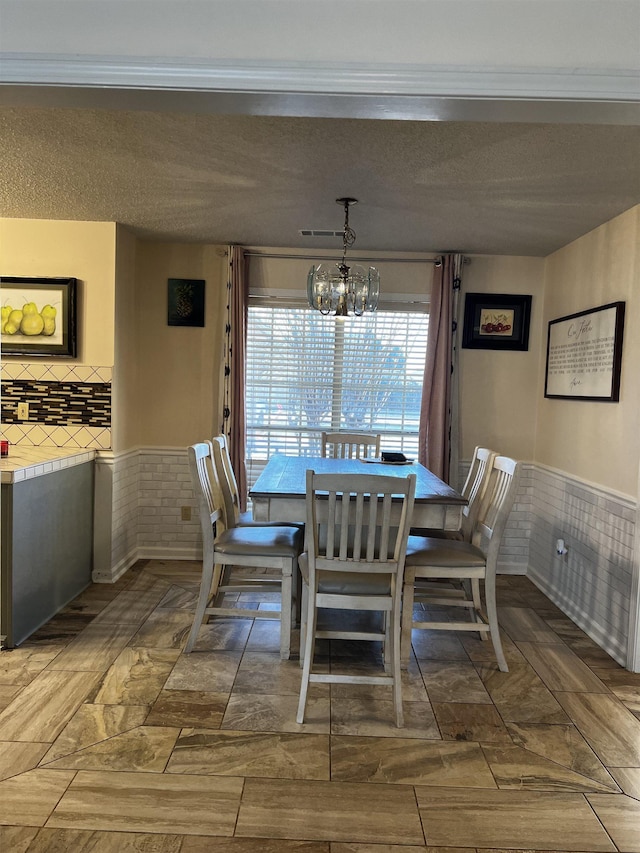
x=111, y=741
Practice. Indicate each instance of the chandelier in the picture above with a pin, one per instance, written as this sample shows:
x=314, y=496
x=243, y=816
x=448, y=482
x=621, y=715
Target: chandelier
x=341, y=289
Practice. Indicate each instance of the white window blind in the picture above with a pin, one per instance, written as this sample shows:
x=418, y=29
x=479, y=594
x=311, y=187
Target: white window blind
x=307, y=373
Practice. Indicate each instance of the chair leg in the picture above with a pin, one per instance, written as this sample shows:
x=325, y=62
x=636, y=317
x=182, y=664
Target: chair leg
x=286, y=603
x=203, y=598
x=407, y=616
x=303, y=621
x=309, y=646
x=492, y=617
x=396, y=669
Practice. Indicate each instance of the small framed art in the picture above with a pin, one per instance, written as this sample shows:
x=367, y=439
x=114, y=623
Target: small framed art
x=185, y=302
x=38, y=316
x=496, y=321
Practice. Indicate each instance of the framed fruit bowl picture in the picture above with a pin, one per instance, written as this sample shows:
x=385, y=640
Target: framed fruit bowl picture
x=496, y=321
x=38, y=316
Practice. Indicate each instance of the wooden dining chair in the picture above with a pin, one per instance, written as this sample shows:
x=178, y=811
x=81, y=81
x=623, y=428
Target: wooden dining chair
x=473, y=491
x=464, y=565
x=232, y=515
x=261, y=547
x=350, y=445
x=356, y=535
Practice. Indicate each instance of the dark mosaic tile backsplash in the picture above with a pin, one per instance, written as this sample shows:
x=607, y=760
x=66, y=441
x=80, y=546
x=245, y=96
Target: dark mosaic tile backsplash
x=58, y=403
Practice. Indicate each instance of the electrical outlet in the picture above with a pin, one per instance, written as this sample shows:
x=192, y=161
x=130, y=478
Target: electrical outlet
x=23, y=411
x=186, y=513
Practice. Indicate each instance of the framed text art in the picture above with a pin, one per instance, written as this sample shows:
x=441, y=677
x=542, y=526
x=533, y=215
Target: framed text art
x=38, y=316
x=496, y=321
x=185, y=299
x=584, y=355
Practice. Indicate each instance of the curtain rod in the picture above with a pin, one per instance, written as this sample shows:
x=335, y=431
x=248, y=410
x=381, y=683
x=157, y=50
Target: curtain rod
x=351, y=258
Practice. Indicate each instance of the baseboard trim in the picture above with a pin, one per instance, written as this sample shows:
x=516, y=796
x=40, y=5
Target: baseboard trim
x=593, y=629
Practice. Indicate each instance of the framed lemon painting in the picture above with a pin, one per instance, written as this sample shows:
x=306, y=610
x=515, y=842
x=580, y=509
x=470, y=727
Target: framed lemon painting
x=38, y=316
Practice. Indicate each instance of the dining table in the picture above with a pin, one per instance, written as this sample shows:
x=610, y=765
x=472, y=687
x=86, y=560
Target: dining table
x=279, y=492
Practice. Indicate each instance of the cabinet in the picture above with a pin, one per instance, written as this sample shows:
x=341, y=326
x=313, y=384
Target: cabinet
x=47, y=536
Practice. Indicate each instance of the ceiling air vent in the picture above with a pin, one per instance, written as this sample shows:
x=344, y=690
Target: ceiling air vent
x=319, y=232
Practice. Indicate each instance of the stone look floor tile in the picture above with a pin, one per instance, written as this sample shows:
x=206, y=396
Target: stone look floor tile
x=136, y=676
x=132, y=607
x=17, y=757
x=516, y=768
x=519, y=695
x=337, y=847
x=174, y=756
x=189, y=708
x=149, y=802
x=235, y=753
x=89, y=841
x=164, y=629
x=564, y=745
x=20, y=666
x=180, y=598
x=94, y=649
x=623, y=684
x=359, y=812
x=628, y=778
x=223, y=635
x=206, y=671
x=16, y=839
x=621, y=818
x=462, y=722
x=192, y=844
x=524, y=625
x=92, y=724
x=29, y=799
x=454, y=682
x=268, y=713
x=561, y=669
x=405, y=761
x=362, y=715
x=42, y=709
x=608, y=727
x=437, y=645
x=527, y=820
x=8, y=693
x=145, y=749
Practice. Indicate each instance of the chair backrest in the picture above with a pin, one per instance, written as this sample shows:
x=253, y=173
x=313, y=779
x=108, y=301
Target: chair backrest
x=227, y=481
x=495, y=506
x=475, y=486
x=358, y=522
x=350, y=445
x=207, y=495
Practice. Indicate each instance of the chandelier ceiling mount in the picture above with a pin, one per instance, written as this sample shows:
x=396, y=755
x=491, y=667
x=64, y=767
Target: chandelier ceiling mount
x=341, y=289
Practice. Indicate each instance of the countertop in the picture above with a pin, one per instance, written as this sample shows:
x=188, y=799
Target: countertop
x=25, y=462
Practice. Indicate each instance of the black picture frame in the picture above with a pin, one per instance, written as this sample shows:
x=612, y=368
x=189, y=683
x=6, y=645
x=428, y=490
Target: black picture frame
x=509, y=313
x=584, y=355
x=54, y=334
x=185, y=302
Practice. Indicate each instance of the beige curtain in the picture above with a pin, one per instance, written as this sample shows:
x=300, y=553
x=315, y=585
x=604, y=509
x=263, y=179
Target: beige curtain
x=434, y=443
x=234, y=421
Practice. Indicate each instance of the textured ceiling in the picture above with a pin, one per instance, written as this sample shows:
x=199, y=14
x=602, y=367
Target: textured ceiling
x=488, y=188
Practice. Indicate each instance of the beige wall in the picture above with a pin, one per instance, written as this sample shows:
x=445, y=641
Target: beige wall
x=599, y=442
x=179, y=368
x=82, y=250
x=498, y=390
x=125, y=413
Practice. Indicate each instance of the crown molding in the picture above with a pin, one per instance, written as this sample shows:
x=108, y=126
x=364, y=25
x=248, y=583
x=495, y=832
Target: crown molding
x=356, y=90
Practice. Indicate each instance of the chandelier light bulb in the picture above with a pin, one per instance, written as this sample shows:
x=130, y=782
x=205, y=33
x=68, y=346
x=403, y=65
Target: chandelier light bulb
x=341, y=289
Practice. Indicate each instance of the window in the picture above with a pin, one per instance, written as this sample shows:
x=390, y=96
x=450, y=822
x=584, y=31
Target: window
x=307, y=373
